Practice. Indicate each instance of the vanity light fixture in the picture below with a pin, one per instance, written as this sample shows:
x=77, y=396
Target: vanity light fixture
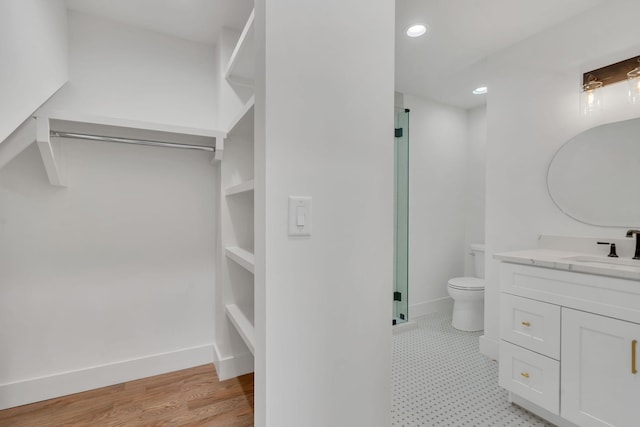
x=416, y=30
x=591, y=98
x=629, y=70
x=480, y=90
x=633, y=80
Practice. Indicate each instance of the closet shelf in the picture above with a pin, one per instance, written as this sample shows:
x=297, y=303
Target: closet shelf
x=243, y=116
x=240, y=70
x=240, y=188
x=244, y=258
x=242, y=324
x=116, y=122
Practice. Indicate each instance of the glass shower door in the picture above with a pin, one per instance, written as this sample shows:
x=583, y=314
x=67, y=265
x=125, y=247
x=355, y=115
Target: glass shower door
x=401, y=217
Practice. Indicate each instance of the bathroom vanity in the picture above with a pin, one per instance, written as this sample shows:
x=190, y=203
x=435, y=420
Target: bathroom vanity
x=570, y=327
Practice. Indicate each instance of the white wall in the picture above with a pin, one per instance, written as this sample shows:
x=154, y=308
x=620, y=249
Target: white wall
x=112, y=275
x=324, y=116
x=33, y=54
x=123, y=72
x=475, y=186
x=533, y=108
x=437, y=200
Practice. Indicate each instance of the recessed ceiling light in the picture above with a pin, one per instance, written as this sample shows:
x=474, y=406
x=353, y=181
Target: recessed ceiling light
x=416, y=30
x=480, y=90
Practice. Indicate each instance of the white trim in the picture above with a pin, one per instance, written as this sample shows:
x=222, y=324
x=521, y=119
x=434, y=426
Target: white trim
x=541, y=412
x=404, y=327
x=489, y=347
x=232, y=366
x=62, y=384
x=440, y=305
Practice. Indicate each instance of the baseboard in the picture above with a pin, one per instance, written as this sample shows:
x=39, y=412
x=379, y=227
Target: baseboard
x=489, y=347
x=232, y=366
x=541, y=412
x=440, y=305
x=404, y=327
x=62, y=384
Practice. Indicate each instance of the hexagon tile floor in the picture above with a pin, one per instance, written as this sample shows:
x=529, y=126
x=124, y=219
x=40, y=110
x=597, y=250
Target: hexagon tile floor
x=439, y=378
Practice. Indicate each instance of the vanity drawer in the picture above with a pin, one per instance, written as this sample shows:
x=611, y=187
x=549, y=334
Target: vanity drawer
x=530, y=324
x=531, y=376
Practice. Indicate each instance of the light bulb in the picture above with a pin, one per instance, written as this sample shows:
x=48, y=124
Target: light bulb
x=416, y=30
x=633, y=81
x=591, y=97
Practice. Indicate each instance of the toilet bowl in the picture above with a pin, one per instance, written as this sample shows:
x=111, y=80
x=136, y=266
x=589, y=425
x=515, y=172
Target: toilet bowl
x=468, y=295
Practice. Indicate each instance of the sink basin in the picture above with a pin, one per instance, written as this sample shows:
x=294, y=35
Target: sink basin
x=603, y=261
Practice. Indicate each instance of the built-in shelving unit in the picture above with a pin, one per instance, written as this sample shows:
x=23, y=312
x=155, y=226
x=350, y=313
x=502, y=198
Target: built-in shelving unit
x=235, y=293
x=241, y=65
x=242, y=324
x=244, y=258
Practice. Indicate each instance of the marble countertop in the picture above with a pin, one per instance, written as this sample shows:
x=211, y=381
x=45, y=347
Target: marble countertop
x=625, y=268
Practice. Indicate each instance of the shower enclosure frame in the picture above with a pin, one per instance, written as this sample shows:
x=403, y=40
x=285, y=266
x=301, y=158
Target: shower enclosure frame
x=401, y=217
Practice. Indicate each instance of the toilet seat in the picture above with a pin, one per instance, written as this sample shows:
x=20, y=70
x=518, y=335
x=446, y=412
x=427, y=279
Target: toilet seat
x=467, y=283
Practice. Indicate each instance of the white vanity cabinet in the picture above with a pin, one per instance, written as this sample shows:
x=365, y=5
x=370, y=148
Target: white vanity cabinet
x=570, y=344
x=600, y=382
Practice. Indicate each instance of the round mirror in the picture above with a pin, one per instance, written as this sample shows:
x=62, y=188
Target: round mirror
x=595, y=177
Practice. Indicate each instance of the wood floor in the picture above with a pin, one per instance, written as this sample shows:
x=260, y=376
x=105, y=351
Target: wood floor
x=192, y=397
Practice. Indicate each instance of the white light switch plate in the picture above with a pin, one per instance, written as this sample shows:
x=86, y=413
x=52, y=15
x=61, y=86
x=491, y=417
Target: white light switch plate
x=299, y=216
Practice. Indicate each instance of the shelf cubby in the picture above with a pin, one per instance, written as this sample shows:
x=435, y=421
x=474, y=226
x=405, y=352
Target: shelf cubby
x=241, y=70
x=243, y=187
x=242, y=257
x=242, y=325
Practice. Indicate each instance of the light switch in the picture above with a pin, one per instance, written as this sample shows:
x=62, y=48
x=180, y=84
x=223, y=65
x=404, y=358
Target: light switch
x=299, y=216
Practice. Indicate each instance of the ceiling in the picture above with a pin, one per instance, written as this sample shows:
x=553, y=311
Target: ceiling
x=446, y=65
x=195, y=20
x=449, y=62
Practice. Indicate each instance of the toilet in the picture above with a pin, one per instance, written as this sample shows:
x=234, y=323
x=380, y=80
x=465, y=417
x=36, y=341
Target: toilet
x=468, y=295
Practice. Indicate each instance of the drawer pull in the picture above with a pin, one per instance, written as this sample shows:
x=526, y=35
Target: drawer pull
x=634, y=369
x=525, y=374
x=527, y=324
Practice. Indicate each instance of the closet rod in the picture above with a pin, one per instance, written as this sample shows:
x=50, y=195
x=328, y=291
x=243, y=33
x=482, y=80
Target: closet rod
x=57, y=134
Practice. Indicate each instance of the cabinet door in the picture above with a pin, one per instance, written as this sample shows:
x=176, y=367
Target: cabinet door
x=598, y=383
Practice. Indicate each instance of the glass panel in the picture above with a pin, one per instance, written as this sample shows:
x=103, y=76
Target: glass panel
x=401, y=217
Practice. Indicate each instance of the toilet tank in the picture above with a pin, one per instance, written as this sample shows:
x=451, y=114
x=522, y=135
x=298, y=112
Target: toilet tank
x=477, y=249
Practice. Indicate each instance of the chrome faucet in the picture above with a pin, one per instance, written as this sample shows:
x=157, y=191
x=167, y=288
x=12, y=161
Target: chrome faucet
x=630, y=233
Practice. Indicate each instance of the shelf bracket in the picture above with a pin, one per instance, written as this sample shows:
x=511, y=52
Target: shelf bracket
x=217, y=156
x=50, y=153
